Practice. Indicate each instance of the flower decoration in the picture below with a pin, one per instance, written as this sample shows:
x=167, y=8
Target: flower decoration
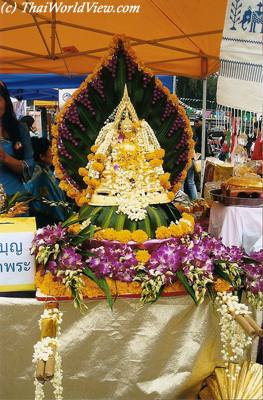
x=79, y=123
x=62, y=257
x=115, y=261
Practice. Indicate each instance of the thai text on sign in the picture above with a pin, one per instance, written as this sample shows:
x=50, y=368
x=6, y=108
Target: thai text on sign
x=17, y=265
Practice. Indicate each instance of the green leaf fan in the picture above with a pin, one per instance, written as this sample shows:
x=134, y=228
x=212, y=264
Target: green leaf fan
x=122, y=145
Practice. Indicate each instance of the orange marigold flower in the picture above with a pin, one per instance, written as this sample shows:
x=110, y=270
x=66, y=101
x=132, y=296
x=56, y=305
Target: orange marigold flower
x=188, y=217
x=123, y=236
x=165, y=185
x=139, y=236
x=165, y=177
x=149, y=156
x=109, y=234
x=71, y=192
x=81, y=201
x=155, y=162
x=83, y=171
x=159, y=153
x=99, y=235
x=176, y=230
x=86, y=179
x=63, y=185
x=94, y=182
x=176, y=187
x=55, y=131
x=186, y=228
x=143, y=256
x=94, y=148
x=170, y=196
x=221, y=285
x=74, y=229
x=98, y=166
x=90, y=157
x=100, y=157
x=50, y=287
x=105, y=234
x=162, y=232
x=59, y=174
x=155, y=154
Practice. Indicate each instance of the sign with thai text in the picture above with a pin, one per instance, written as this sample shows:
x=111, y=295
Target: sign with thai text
x=17, y=265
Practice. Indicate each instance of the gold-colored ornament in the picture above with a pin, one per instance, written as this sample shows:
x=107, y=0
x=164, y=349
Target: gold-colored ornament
x=127, y=179
x=125, y=107
x=248, y=384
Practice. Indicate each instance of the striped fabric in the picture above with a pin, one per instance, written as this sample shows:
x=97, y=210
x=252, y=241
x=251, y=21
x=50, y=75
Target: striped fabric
x=240, y=82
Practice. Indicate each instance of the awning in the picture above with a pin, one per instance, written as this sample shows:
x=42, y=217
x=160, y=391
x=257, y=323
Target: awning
x=172, y=37
x=45, y=86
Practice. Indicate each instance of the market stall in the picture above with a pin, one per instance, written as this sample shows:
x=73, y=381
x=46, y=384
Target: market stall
x=237, y=218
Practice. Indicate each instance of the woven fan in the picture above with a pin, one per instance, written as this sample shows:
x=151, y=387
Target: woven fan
x=248, y=384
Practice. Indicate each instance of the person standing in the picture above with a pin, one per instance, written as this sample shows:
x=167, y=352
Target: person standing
x=198, y=137
x=189, y=183
x=29, y=121
x=44, y=185
x=257, y=153
x=16, y=154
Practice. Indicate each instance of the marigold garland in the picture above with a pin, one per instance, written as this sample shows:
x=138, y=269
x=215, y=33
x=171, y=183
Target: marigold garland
x=123, y=236
x=184, y=226
x=47, y=286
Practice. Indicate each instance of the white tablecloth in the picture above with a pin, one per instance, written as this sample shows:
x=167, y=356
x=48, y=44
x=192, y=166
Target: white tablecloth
x=237, y=226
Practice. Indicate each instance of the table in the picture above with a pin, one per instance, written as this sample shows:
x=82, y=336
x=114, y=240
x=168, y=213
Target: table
x=237, y=226
x=161, y=351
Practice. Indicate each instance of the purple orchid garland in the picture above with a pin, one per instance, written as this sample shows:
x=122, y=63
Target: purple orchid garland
x=196, y=255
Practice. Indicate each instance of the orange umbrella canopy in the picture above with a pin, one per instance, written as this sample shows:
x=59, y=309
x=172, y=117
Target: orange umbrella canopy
x=171, y=37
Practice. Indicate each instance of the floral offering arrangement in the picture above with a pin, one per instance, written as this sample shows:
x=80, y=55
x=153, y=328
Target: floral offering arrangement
x=121, y=149
x=68, y=256
x=121, y=113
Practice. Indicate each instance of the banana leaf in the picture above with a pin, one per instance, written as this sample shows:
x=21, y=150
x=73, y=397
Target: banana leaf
x=102, y=283
x=180, y=275
x=219, y=272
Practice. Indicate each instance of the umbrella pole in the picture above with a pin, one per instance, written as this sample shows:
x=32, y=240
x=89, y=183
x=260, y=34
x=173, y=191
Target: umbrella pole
x=203, y=136
x=174, y=84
